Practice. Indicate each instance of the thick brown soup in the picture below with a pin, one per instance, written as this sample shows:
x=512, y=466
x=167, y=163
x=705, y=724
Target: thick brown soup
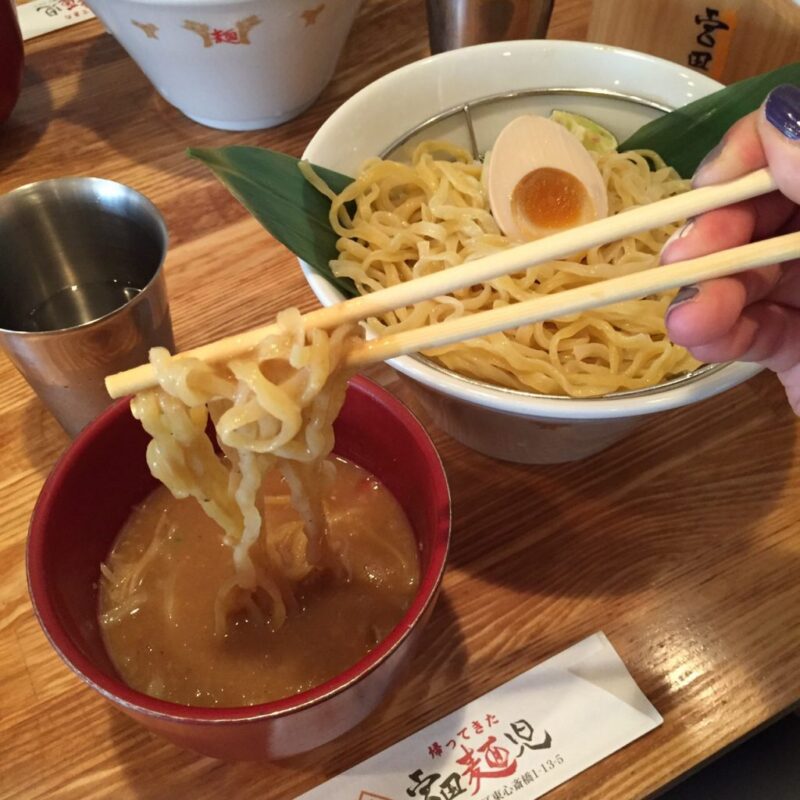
x=163, y=576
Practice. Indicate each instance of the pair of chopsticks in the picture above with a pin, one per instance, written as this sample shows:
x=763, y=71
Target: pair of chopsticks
x=517, y=259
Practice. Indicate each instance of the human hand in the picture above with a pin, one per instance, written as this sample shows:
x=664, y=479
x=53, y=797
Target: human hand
x=754, y=316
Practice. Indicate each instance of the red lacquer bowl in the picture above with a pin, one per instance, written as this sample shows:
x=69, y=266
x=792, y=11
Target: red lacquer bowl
x=11, y=58
x=91, y=491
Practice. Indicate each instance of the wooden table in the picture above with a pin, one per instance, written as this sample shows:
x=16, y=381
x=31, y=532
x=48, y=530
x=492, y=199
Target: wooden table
x=681, y=543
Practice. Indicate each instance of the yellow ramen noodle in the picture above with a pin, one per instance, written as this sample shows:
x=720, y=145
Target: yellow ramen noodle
x=432, y=214
x=273, y=408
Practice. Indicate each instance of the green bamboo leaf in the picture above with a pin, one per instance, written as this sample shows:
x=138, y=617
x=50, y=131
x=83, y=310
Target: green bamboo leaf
x=684, y=136
x=272, y=188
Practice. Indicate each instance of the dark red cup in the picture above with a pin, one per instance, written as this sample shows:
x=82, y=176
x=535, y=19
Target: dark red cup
x=90, y=493
x=11, y=58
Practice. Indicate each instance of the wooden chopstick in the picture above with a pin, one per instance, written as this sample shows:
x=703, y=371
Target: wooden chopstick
x=603, y=293
x=504, y=262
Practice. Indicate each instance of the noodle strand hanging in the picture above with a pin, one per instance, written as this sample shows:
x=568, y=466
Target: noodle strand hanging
x=273, y=408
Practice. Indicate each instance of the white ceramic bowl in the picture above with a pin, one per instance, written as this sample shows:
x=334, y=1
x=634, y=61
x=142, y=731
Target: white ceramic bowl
x=619, y=88
x=233, y=64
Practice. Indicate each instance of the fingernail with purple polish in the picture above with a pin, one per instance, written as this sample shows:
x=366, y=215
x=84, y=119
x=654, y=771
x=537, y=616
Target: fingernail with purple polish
x=679, y=234
x=682, y=232
x=782, y=110
x=685, y=293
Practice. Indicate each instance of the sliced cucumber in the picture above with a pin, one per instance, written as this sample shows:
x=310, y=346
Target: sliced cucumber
x=592, y=136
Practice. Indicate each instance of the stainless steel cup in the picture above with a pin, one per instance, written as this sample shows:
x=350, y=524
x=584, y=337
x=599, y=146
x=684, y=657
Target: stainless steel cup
x=460, y=23
x=82, y=292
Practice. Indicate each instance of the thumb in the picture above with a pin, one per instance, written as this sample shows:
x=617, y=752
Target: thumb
x=778, y=127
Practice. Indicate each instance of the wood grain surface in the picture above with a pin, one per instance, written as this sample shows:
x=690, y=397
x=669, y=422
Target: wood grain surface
x=681, y=543
x=759, y=35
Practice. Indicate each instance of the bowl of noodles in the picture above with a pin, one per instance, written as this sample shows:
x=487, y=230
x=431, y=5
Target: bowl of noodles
x=128, y=581
x=417, y=143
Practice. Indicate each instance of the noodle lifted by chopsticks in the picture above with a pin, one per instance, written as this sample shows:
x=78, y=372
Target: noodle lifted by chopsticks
x=274, y=407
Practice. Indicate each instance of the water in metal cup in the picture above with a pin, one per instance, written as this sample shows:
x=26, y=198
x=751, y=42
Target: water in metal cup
x=460, y=23
x=80, y=303
x=82, y=292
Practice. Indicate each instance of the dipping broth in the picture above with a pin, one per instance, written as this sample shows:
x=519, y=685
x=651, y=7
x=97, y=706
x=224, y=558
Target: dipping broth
x=163, y=576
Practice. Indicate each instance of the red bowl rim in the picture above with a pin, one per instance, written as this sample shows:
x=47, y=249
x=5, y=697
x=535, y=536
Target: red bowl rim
x=118, y=692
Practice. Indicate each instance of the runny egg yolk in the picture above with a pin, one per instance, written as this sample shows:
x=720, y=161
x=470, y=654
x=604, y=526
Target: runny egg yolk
x=550, y=198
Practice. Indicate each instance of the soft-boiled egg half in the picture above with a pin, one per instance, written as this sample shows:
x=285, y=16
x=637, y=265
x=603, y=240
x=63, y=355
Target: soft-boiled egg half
x=540, y=180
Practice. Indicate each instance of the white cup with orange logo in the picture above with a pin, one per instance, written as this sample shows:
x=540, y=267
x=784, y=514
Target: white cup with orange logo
x=233, y=64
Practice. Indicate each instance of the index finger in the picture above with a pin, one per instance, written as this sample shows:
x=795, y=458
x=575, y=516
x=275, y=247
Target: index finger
x=767, y=137
x=738, y=153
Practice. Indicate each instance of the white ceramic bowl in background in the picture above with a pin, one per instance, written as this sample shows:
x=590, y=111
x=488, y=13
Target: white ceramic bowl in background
x=620, y=89
x=233, y=64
